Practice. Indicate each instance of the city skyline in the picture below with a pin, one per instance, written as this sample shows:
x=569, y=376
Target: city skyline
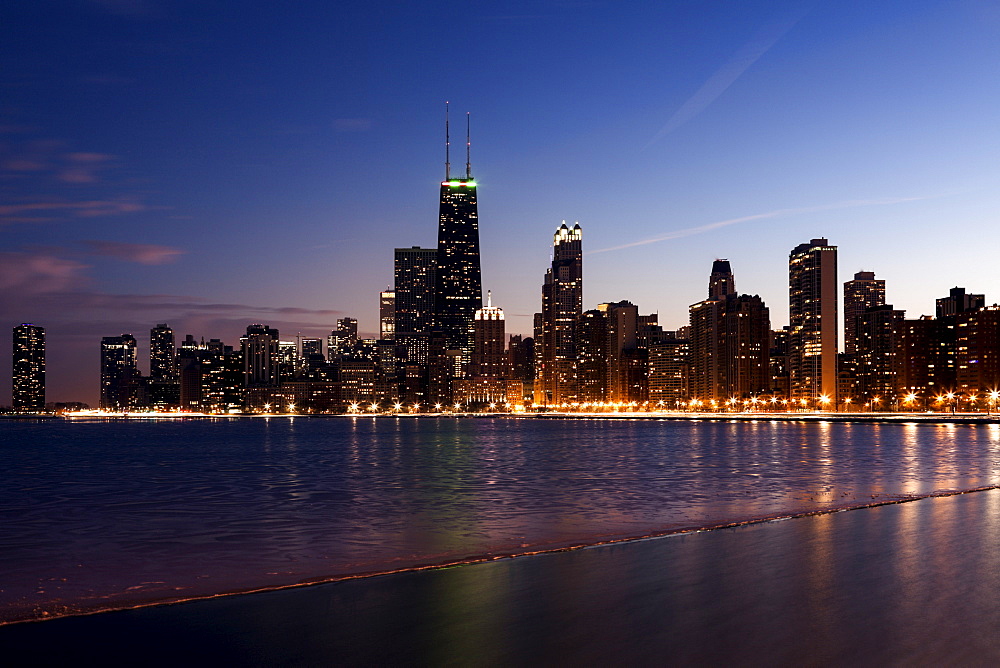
x=766, y=126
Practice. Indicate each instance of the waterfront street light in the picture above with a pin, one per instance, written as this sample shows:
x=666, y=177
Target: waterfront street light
x=909, y=400
x=397, y=406
x=825, y=400
x=373, y=407
x=994, y=395
x=437, y=407
x=847, y=404
x=267, y=408
x=951, y=400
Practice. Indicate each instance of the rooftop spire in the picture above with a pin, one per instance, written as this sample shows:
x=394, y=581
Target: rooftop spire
x=468, y=146
x=447, y=144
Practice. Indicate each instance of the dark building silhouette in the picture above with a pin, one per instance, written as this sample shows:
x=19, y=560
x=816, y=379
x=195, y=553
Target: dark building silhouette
x=878, y=332
x=592, y=356
x=29, y=368
x=957, y=302
x=721, y=283
x=861, y=293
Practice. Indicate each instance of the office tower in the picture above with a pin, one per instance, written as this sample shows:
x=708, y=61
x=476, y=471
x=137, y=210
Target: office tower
x=260, y=356
x=347, y=331
x=29, y=368
x=958, y=302
x=878, y=329
x=592, y=356
x=489, y=358
x=458, y=282
x=120, y=381
x=562, y=304
x=778, y=362
x=162, y=353
x=415, y=272
x=812, y=312
x=721, y=282
x=861, y=293
x=387, y=314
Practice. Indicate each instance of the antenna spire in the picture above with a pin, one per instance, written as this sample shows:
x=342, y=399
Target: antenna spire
x=447, y=144
x=468, y=147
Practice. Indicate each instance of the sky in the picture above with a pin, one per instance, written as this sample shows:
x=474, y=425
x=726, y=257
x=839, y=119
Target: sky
x=209, y=165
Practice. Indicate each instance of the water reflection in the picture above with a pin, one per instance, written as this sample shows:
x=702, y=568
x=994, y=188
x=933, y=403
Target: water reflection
x=110, y=513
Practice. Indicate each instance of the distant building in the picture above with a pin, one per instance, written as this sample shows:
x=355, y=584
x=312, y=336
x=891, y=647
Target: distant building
x=387, y=314
x=489, y=357
x=957, y=302
x=668, y=373
x=415, y=271
x=260, y=356
x=861, y=293
x=812, y=312
x=29, y=368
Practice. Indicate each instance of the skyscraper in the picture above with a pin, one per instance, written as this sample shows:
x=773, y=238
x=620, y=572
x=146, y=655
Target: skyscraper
x=415, y=271
x=458, y=292
x=29, y=368
x=120, y=382
x=812, y=313
x=162, y=354
x=562, y=304
x=489, y=358
x=860, y=294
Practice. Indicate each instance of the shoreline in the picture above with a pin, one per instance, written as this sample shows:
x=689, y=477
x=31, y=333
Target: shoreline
x=889, y=418
x=506, y=555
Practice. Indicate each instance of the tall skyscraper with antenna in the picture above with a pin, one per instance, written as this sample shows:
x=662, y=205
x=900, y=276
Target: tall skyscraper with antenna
x=458, y=292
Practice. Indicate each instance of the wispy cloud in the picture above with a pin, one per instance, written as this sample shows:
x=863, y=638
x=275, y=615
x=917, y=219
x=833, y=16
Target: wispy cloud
x=34, y=212
x=141, y=253
x=725, y=76
x=83, y=167
x=690, y=231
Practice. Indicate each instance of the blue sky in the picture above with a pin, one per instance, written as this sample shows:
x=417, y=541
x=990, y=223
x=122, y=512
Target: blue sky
x=214, y=164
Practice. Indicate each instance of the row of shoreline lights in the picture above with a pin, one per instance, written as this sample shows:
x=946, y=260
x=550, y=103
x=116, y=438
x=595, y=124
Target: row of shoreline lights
x=909, y=400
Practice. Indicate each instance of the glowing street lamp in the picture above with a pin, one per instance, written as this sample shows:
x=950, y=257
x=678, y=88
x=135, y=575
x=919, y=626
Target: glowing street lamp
x=909, y=399
x=825, y=400
x=994, y=395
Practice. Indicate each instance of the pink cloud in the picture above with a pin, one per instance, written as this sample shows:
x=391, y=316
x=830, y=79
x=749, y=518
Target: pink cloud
x=83, y=167
x=38, y=273
x=20, y=213
x=141, y=253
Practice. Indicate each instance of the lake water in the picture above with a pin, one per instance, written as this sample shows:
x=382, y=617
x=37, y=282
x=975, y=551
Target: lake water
x=111, y=513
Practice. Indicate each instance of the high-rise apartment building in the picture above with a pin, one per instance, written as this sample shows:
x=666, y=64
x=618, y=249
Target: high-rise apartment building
x=29, y=368
x=415, y=272
x=877, y=353
x=458, y=291
x=260, y=356
x=812, y=313
x=861, y=293
x=120, y=381
x=562, y=304
x=623, y=333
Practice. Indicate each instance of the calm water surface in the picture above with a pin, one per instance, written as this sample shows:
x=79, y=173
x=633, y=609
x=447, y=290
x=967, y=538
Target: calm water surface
x=101, y=514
